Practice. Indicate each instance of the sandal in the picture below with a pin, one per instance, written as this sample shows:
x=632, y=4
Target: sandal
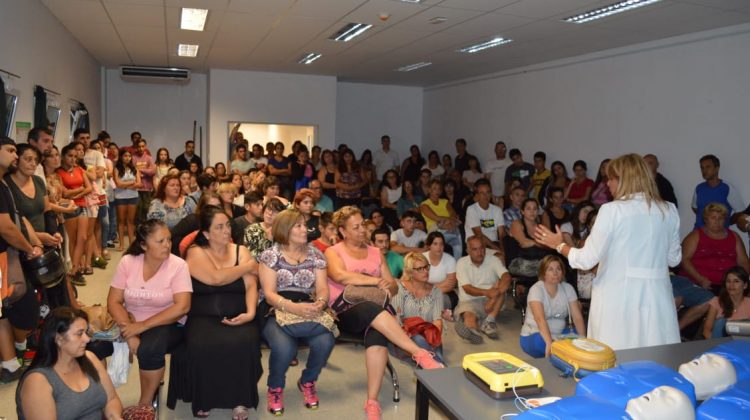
x=201, y=414
x=240, y=413
x=88, y=271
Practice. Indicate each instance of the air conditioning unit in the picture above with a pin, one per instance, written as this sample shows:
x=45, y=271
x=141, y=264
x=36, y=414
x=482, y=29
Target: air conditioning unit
x=154, y=74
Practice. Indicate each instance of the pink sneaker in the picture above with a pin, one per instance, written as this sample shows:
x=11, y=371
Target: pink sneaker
x=275, y=401
x=426, y=360
x=372, y=410
x=310, y=394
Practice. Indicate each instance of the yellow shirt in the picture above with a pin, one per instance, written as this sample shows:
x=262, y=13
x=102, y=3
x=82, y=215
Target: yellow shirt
x=440, y=209
x=537, y=180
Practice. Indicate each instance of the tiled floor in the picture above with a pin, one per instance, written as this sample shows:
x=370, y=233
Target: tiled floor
x=341, y=386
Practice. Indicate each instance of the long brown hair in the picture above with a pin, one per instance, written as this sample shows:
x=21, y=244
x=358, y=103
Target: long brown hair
x=724, y=299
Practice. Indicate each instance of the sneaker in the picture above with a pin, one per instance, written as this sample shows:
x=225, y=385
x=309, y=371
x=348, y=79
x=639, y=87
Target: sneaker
x=99, y=262
x=426, y=360
x=110, y=244
x=77, y=279
x=467, y=334
x=372, y=410
x=275, y=401
x=7, y=376
x=489, y=328
x=310, y=394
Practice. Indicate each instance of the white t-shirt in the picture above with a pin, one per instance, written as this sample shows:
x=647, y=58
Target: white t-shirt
x=495, y=169
x=94, y=158
x=412, y=241
x=482, y=277
x=436, y=172
x=260, y=161
x=439, y=272
x=555, y=308
x=489, y=220
x=384, y=161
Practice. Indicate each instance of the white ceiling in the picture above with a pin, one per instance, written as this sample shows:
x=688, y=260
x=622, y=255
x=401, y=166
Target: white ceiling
x=271, y=35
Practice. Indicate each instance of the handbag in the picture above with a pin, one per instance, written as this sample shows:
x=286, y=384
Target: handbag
x=357, y=294
x=325, y=318
x=414, y=325
x=102, y=324
x=14, y=282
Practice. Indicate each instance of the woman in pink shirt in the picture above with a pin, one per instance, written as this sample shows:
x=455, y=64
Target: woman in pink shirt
x=732, y=303
x=148, y=298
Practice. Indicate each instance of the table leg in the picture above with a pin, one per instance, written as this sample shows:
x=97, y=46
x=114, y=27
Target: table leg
x=422, y=403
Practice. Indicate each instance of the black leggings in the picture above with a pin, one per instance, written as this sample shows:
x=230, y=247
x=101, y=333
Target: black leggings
x=156, y=343
x=357, y=319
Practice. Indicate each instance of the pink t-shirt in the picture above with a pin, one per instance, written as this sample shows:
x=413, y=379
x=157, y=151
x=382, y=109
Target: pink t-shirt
x=370, y=266
x=743, y=312
x=145, y=299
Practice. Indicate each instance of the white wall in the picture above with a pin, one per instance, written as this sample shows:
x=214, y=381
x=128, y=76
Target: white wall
x=162, y=112
x=365, y=112
x=679, y=98
x=269, y=98
x=37, y=47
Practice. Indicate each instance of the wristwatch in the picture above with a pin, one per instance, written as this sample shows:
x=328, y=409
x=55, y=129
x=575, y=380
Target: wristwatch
x=560, y=247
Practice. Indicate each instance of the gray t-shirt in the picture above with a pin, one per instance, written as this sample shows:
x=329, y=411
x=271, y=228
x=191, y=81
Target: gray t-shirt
x=555, y=308
x=70, y=404
x=412, y=241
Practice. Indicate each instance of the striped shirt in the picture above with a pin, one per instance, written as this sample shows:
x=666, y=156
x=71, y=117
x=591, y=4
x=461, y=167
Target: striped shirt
x=428, y=307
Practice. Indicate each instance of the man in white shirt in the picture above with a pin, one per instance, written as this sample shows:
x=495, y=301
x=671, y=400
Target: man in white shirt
x=385, y=158
x=485, y=220
x=42, y=139
x=494, y=170
x=242, y=164
x=482, y=283
x=257, y=159
x=408, y=238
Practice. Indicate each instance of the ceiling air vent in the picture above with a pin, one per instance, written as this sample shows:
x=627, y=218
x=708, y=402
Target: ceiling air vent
x=154, y=74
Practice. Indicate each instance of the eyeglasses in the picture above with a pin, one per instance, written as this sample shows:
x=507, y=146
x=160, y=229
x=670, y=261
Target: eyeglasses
x=423, y=268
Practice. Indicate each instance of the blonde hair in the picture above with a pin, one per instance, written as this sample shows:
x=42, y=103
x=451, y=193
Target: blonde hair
x=715, y=207
x=283, y=223
x=226, y=186
x=342, y=215
x=409, y=261
x=633, y=176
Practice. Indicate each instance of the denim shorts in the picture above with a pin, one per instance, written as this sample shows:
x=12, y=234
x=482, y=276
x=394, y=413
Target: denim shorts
x=78, y=211
x=126, y=201
x=692, y=294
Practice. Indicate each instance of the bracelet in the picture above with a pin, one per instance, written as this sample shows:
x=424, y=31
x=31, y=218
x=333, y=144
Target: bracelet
x=560, y=247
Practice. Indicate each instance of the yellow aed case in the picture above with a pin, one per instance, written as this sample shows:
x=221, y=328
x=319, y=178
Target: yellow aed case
x=581, y=356
x=498, y=374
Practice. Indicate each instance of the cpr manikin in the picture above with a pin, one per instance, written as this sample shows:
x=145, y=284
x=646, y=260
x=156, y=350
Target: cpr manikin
x=710, y=374
x=662, y=403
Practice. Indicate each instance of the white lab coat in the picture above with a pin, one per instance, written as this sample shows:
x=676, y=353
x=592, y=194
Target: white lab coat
x=631, y=296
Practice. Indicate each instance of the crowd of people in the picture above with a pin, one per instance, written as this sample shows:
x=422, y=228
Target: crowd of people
x=295, y=249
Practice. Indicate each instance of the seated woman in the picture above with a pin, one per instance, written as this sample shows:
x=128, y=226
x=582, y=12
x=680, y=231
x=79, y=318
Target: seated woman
x=271, y=187
x=191, y=223
x=391, y=191
x=258, y=237
x=526, y=254
x=708, y=251
x=293, y=277
x=223, y=371
x=442, y=272
x=731, y=304
x=169, y=204
x=416, y=303
x=409, y=200
x=328, y=235
x=551, y=303
x=304, y=202
x=352, y=262
x=574, y=233
x=554, y=213
x=440, y=216
x=64, y=381
x=228, y=191
x=154, y=287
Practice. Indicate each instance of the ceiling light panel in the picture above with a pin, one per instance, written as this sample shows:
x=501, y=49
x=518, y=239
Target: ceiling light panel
x=494, y=42
x=187, y=50
x=609, y=10
x=193, y=19
x=309, y=58
x=415, y=66
x=350, y=31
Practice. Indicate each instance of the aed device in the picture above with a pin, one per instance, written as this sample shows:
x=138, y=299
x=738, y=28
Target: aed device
x=579, y=357
x=502, y=375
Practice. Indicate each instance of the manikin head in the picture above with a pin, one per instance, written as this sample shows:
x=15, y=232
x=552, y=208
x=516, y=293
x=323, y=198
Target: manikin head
x=709, y=374
x=661, y=403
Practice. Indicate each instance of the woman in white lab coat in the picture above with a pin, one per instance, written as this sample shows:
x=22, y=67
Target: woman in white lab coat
x=635, y=240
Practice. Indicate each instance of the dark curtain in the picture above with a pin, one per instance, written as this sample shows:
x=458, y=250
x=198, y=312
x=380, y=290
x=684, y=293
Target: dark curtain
x=3, y=110
x=83, y=121
x=40, y=107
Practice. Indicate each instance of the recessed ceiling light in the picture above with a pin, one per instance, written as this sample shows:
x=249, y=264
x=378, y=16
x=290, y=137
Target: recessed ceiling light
x=411, y=1
x=348, y=32
x=193, y=19
x=494, y=42
x=309, y=58
x=438, y=19
x=414, y=66
x=605, y=11
x=187, y=50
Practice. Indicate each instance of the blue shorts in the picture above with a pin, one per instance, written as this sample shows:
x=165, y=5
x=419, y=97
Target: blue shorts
x=691, y=293
x=76, y=213
x=126, y=201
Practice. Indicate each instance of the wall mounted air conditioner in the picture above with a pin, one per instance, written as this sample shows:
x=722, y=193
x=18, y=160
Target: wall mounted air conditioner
x=154, y=74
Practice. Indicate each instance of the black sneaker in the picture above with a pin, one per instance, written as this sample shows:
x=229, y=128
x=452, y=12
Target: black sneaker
x=7, y=376
x=77, y=279
x=110, y=244
x=466, y=333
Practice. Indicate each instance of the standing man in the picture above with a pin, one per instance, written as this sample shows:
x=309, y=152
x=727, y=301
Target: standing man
x=259, y=161
x=662, y=183
x=484, y=220
x=42, y=139
x=135, y=137
x=385, y=158
x=461, y=162
x=184, y=160
x=145, y=165
x=519, y=170
x=482, y=283
x=241, y=165
x=541, y=173
x=715, y=190
x=494, y=170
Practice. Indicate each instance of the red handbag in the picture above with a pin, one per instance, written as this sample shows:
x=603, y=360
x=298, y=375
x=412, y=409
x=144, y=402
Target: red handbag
x=414, y=325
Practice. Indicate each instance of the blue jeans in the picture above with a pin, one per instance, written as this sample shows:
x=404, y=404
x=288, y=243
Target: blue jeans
x=453, y=238
x=112, y=222
x=103, y=220
x=420, y=341
x=283, y=342
x=534, y=344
